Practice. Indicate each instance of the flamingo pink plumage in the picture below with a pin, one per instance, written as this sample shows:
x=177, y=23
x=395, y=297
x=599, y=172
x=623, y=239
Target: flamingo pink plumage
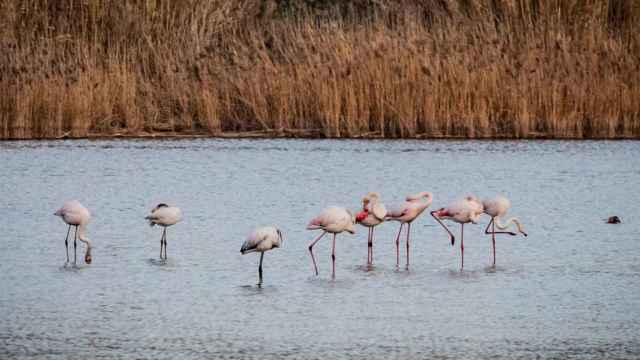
x=372, y=214
x=497, y=207
x=332, y=220
x=464, y=210
x=406, y=214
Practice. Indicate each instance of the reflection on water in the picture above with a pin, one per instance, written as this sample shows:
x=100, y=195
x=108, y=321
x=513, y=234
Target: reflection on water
x=569, y=290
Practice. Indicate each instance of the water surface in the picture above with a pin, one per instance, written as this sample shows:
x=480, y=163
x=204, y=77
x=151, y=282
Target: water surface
x=569, y=290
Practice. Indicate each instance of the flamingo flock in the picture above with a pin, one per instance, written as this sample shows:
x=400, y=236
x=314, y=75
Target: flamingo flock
x=333, y=220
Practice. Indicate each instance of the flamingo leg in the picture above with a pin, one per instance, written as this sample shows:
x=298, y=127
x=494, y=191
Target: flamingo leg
x=164, y=234
x=333, y=257
x=493, y=240
x=462, y=245
x=311, y=251
x=371, y=242
x=408, y=232
x=75, y=246
x=369, y=246
x=493, y=231
x=161, y=243
x=453, y=238
x=66, y=243
x=260, y=270
x=398, y=245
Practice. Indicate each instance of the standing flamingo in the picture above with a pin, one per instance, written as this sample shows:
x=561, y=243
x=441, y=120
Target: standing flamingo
x=372, y=214
x=406, y=213
x=465, y=210
x=164, y=215
x=75, y=214
x=497, y=207
x=260, y=240
x=332, y=220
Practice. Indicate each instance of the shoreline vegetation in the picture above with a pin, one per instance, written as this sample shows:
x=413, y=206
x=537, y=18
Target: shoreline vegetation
x=320, y=68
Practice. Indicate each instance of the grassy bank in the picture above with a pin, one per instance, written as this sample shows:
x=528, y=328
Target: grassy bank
x=412, y=68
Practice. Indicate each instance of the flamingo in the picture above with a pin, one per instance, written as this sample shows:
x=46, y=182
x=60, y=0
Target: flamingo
x=75, y=214
x=406, y=214
x=164, y=215
x=332, y=220
x=497, y=207
x=372, y=214
x=464, y=210
x=260, y=240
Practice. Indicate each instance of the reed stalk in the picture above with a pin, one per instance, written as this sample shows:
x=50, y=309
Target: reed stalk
x=370, y=68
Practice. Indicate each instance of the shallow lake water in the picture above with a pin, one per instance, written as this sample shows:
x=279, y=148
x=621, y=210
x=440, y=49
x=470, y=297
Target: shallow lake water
x=571, y=289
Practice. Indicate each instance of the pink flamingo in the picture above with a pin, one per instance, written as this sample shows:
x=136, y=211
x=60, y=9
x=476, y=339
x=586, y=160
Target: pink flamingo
x=332, y=220
x=75, y=214
x=406, y=213
x=372, y=214
x=496, y=208
x=465, y=210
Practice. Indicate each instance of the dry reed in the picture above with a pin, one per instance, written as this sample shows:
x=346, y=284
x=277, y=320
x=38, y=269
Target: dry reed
x=430, y=68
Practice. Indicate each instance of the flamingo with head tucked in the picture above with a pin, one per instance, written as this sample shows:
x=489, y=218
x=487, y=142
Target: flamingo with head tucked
x=261, y=240
x=75, y=214
x=465, y=210
x=497, y=207
x=372, y=214
x=332, y=220
x=406, y=214
x=165, y=216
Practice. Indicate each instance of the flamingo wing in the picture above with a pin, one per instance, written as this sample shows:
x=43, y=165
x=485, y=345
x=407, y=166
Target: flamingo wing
x=379, y=210
x=316, y=223
x=165, y=216
x=397, y=212
x=252, y=242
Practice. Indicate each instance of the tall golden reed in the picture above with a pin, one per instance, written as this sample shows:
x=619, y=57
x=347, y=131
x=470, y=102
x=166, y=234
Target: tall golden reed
x=409, y=68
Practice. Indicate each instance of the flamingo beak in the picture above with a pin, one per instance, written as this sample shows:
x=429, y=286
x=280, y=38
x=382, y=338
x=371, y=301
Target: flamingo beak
x=87, y=259
x=453, y=241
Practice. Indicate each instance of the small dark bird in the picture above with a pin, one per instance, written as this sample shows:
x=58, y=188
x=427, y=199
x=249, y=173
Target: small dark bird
x=613, y=220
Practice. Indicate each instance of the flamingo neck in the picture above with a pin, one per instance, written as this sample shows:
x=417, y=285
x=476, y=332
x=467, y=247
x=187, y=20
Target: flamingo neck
x=420, y=200
x=83, y=237
x=508, y=222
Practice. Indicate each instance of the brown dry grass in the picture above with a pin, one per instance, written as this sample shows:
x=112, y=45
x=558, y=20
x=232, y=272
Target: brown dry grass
x=412, y=68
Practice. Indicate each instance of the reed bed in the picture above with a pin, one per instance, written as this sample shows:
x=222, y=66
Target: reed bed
x=393, y=69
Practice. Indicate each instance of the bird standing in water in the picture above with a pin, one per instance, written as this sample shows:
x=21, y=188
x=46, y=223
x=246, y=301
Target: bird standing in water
x=75, y=214
x=465, y=210
x=165, y=216
x=332, y=220
x=406, y=214
x=372, y=214
x=260, y=240
x=497, y=207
